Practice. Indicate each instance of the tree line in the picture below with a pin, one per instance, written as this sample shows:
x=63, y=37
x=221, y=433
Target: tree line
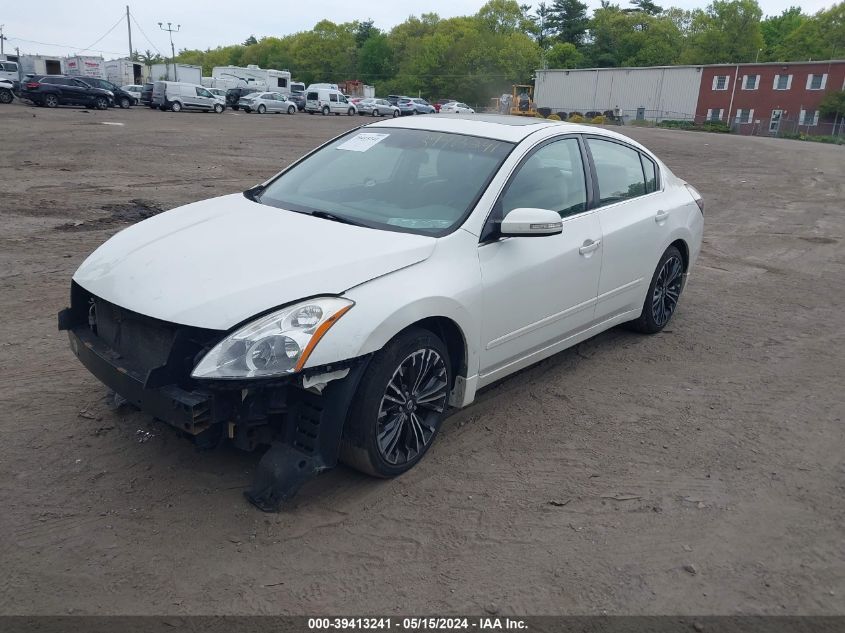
x=474, y=57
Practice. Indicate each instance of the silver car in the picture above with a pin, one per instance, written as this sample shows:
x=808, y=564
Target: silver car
x=377, y=107
x=262, y=102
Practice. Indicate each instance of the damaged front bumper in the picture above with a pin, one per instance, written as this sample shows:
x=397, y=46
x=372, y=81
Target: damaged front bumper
x=148, y=362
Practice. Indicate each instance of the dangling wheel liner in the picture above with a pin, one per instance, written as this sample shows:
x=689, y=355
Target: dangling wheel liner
x=311, y=442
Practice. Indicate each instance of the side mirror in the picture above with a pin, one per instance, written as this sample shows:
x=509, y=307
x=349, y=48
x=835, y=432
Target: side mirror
x=527, y=222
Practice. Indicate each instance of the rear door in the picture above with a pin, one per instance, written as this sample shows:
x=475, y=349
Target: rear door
x=635, y=224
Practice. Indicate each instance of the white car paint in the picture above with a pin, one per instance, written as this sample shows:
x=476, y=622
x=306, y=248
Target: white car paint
x=516, y=300
x=456, y=108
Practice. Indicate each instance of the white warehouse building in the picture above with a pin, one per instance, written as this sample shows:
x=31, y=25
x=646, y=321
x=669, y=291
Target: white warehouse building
x=654, y=93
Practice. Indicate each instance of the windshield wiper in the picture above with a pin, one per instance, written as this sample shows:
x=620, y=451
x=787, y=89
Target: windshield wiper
x=254, y=192
x=334, y=218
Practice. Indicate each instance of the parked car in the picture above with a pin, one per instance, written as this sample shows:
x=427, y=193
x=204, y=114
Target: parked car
x=394, y=99
x=441, y=102
x=55, y=90
x=262, y=102
x=299, y=99
x=456, y=107
x=7, y=91
x=147, y=96
x=406, y=106
x=121, y=98
x=177, y=96
x=391, y=274
x=233, y=96
x=423, y=107
x=328, y=101
x=135, y=90
x=377, y=107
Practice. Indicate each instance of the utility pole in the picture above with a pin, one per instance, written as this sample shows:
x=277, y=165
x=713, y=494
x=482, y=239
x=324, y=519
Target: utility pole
x=129, y=29
x=3, y=38
x=171, y=31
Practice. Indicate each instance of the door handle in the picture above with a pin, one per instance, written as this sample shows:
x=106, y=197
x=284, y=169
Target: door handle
x=589, y=246
x=660, y=216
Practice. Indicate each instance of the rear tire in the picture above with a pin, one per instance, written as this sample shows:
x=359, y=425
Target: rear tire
x=664, y=293
x=400, y=405
x=51, y=101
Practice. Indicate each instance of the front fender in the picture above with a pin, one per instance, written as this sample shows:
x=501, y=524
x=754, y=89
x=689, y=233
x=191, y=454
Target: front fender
x=447, y=284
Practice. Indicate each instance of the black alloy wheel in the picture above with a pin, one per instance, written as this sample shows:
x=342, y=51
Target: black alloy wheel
x=401, y=402
x=664, y=293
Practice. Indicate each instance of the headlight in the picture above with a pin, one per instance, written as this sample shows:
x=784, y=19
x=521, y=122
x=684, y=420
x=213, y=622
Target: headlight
x=274, y=345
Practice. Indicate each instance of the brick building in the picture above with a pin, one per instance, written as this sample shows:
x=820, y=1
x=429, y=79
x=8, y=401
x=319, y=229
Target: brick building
x=769, y=98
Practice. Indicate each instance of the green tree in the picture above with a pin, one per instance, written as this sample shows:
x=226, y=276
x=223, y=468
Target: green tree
x=821, y=36
x=647, y=6
x=728, y=31
x=542, y=27
x=633, y=38
x=833, y=104
x=250, y=41
x=569, y=20
x=776, y=29
x=564, y=55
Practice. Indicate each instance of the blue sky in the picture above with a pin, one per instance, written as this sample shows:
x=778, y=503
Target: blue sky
x=49, y=27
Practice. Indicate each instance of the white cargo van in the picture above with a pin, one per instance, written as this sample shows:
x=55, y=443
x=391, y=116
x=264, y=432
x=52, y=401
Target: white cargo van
x=327, y=100
x=178, y=96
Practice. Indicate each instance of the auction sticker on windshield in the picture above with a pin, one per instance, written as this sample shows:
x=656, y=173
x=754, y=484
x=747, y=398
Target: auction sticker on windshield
x=362, y=142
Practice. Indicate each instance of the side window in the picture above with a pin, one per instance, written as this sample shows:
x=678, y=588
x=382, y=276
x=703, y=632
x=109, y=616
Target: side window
x=618, y=170
x=650, y=170
x=552, y=178
x=332, y=97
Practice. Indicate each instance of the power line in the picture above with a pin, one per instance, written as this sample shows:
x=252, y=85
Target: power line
x=103, y=37
x=95, y=50
x=149, y=41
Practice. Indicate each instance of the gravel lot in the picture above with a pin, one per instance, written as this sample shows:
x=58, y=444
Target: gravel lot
x=698, y=471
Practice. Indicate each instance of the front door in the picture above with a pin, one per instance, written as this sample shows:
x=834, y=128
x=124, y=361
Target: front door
x=540, y=290
x=774, y=123
x=635, y=225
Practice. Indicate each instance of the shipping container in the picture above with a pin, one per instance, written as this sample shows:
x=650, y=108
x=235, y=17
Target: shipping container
x=41, y=65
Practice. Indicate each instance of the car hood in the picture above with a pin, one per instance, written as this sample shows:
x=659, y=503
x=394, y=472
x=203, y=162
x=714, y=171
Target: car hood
x=216, y=263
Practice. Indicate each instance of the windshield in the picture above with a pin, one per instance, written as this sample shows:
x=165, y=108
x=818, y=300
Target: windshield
x=392, y=178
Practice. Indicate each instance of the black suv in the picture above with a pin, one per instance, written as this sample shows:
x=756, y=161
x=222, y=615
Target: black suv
x=121, y=97
x=56, y=90
x=233, y=95
x=147, y=96
x=299, y=99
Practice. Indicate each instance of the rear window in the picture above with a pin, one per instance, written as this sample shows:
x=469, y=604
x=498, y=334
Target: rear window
x=312, y=96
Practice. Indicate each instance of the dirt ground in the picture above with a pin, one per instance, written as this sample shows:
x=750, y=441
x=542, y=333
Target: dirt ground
x=699, y=471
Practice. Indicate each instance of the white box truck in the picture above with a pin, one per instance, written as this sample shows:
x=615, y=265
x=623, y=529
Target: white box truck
x=85, y=66
x=123, y=72
x=40, y=65
x=176, y=72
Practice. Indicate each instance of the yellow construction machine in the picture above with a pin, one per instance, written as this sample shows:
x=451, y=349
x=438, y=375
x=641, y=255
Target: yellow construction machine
x=522, y=100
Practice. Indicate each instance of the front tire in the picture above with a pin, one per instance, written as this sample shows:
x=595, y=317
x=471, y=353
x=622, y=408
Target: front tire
x=350, y=112
x=176, y=106
x=400, y=405
x=292, y=110
x=101, y=103
x=218, y=108
x=262, y=109
x=125, y=102
x=375, y=113
x=664, y=293
x=325, y=110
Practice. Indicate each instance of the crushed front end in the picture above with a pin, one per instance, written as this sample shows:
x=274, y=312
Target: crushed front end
x=149, y=363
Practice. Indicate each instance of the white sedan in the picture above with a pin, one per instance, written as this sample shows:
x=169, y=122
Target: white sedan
x=455, y=107
x=262, y=102
x=339, y=309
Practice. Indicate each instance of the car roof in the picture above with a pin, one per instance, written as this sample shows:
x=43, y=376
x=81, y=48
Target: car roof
x=497, y=126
